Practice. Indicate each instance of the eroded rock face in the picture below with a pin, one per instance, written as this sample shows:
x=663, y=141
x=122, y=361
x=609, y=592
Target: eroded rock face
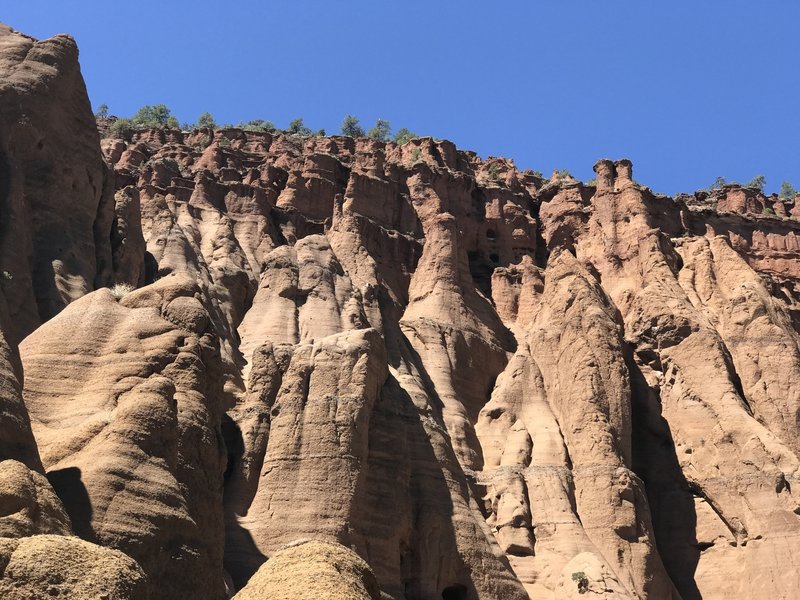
x=125, y=401
x=56, y=198
x=528, y=360
x=445, y=377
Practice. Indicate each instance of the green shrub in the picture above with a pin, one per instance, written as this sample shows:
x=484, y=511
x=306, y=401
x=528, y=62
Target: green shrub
x=416, y=155
x=380, y=131
x=592, y=182
x=787, y=191
x=102, y=112
x=580, y=578
x=122, y=127
x=258, y=125
x=564, y=173
x=767, y=211
x=758, y=182
x=206, y=121
x=718, y=183
x=297, y=127
x=494, y=172
x=351, y=127
x=403, y=136
x=224, y=142
x=157, y=115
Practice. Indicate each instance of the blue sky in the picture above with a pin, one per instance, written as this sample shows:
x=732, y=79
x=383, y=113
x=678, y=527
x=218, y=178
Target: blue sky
x=689, y=90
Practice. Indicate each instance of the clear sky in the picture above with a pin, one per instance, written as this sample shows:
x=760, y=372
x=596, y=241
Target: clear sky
x=687, y=89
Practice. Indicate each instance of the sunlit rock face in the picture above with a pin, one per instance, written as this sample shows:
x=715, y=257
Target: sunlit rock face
x=380, y=370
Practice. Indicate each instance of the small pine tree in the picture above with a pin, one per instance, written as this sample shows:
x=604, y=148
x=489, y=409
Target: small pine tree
x=351, y=127
x=403, y=136
x=206, y=121
x=297, y=127
x=758, y=182
x=102, y=111
x=787, y=191
x=380, y=131
x=718, y=183
x=157, y=115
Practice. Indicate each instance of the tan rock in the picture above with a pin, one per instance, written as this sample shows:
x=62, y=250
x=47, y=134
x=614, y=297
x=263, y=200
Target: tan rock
x=47, y=566
x=312, y=569
x=125, y=404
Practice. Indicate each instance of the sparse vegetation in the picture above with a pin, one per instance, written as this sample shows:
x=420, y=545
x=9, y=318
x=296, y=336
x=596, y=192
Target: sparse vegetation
x=157, y=115
x=494, y=172
x=224, y=142
x=297, y=127
x=787, y=191
x=120, y=290
x=122, y=127
x=757, y=183
x=351, y=127
x=592, y=182
x=205, y=121
x=403, y=136
x=416, y=155
x=102, y=112
x=579, y=577
x=563, y=173
x=258, y=125
x=767, y=211
x=718, y=183
x=381, y=131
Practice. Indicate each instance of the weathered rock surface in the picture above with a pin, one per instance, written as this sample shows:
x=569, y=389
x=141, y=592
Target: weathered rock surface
x=56, y=199
x=125, y=401
x=312, y=569
x=47, y=566
x=448, y=378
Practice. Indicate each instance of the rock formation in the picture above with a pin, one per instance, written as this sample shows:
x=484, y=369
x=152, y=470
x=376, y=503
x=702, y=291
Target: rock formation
x=353, y=369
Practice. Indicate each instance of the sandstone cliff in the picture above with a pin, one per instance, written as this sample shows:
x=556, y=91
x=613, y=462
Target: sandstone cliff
x=353, y=369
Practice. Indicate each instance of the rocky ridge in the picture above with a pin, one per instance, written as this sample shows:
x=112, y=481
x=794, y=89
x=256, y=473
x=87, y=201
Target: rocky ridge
x=434, y=374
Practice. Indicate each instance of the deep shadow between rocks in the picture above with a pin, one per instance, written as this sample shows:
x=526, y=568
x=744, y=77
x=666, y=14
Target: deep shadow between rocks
x=73, y=495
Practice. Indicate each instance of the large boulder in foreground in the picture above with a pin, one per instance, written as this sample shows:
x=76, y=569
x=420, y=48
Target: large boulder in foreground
x=312, y=569
x=53, y=566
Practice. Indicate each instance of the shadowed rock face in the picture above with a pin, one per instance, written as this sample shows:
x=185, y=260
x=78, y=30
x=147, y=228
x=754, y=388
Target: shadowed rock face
x=376, y=371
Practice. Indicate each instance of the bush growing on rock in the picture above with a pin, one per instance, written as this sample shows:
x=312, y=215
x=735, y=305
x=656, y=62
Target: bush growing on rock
x=258, y=125
x=122, y=127
x=157, y=115
x=403, y=136
x=351, y=127
x=206, y=121
x=787, y=191
x=758, y=182
x=718, y=183
x=102, y=112
x=120, y=290
x=380, y=131
x=297, y=127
